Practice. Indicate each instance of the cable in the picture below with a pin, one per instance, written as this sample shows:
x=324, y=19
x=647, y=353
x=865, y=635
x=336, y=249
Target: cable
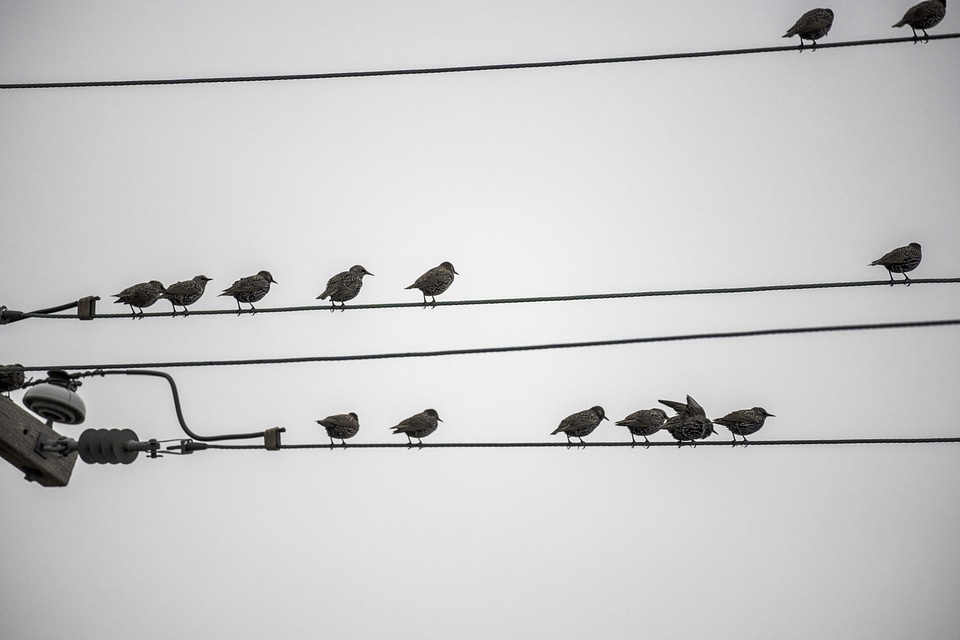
x=483, y=350
x=483, y=67
x=461, y=303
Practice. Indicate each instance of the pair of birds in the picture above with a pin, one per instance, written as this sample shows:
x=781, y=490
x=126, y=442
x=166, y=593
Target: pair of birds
x=816, y=23
x=346, y=284
x=346, y=425
x=689, y=424
x=183, y=294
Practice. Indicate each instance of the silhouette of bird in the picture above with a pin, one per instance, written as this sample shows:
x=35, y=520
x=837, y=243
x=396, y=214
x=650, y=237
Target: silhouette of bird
x=185, y=293
x=418, y=426
x=140, y=295
x=744, y=422
x=645, y=422
x=250, y=289
x=923, y=16
x=341, y=426
x=435, y=281
x=11, y=378
x=344, y=286
x=581, y=423
x=812, y=25
x=900, y=260
x=690, y=422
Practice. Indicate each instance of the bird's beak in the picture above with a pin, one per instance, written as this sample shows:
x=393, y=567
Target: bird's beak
x=438, y=419
x=455, y=271
x=606, y=418
x=770, y=415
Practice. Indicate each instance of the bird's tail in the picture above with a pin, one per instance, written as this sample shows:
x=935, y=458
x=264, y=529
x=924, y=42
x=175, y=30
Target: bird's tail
x=411, y=286
x=901, y=23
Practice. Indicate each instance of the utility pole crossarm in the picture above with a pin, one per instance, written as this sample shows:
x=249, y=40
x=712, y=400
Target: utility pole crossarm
x=19, y=434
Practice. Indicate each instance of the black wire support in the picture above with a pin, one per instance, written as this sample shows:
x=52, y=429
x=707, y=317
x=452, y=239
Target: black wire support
x=503, y=301
x=461, y=69
x=512, y=349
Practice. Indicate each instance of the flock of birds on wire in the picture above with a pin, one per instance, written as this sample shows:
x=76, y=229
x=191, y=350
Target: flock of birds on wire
x=688, y=424
x=816, y=23
x=346, y=285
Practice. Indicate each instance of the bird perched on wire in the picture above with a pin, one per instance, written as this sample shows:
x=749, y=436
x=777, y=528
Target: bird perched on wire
x=645, y=422
x=140, y=295
x=250, y=289
x=11, y=378
x=900, y=260
x=923, y=16
x=690, y=422
x=418, y=426
x=435, y=281
x=581, y=423
x=812, y=25
x=744, y=422
x=185, y=293
x=341, y=426
x=344, y=286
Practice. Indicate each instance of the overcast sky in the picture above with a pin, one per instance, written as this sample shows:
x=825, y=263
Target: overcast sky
x=718, y=172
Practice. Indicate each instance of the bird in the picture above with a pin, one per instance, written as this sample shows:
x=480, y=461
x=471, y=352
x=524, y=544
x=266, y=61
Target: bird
x=418, y=426
x=581, y=423
x=140, y=295
x=250, y=289
x=812, y=25
x=900, y=260
x=690, y=422
x=185, y=293
x=341, y=426
x=645, y=422
x=744, y=422
x=11, y=378
x=435, y=281
x=344, y=286
x=923, y=16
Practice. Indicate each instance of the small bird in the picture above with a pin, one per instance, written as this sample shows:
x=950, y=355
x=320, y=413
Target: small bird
x=140, y=295
x=923, y=16
x=341, y=426
x=690, y=423
x=418, y=426
x=900, y=260
x=344, y=286
x=645, y=422
x=581, y=423
x=250, y=289
x=744, y=422
x=185, y=293
x=11, y=378
x=435, y=281
x=812, y=25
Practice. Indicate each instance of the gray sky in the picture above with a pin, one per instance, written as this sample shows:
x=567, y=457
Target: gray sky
x=738, y=171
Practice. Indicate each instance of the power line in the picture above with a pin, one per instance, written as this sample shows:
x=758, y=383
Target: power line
x=495, y=301
x=460, y=69
x=511, y=349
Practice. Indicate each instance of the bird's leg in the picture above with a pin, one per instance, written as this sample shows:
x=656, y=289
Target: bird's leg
x=926, y=36
x=646, y=442
x=343, y=443
x=633, y=440
x=331, y=442
x=343, y=305
x=891, y=277
x=906, y=280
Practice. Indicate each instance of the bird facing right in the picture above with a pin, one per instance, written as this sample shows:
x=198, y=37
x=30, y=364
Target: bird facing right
x=186, y=292
x=435, y=281
x=900, y=260
x=344, y=286
x=341, y=426
x=690, y=423
x=418, y=426
x=581, y=423
x=812, y=25
x=923, y=16
x=250, y=289
x=744, y=422
x=645, y=422
x=140, y=295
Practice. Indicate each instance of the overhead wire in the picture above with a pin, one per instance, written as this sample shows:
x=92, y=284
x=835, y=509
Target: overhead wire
x=507, y=349
x=461, y=69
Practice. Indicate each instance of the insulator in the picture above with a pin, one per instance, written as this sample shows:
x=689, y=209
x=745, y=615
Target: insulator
x=107, y=446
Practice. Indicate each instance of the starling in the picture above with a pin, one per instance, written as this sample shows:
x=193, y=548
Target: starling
x=581, y=424
x=690, y=422
x=11, y=378
x=250, y=289
x=923, y=16
x=744, y=422
x=344, y=286
x=900, y=260
x=645, y=422
x=185, y=293
x=435, y=281
x=140, y=295
x=418, y=426
x=341, y=426
x=812, y=25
